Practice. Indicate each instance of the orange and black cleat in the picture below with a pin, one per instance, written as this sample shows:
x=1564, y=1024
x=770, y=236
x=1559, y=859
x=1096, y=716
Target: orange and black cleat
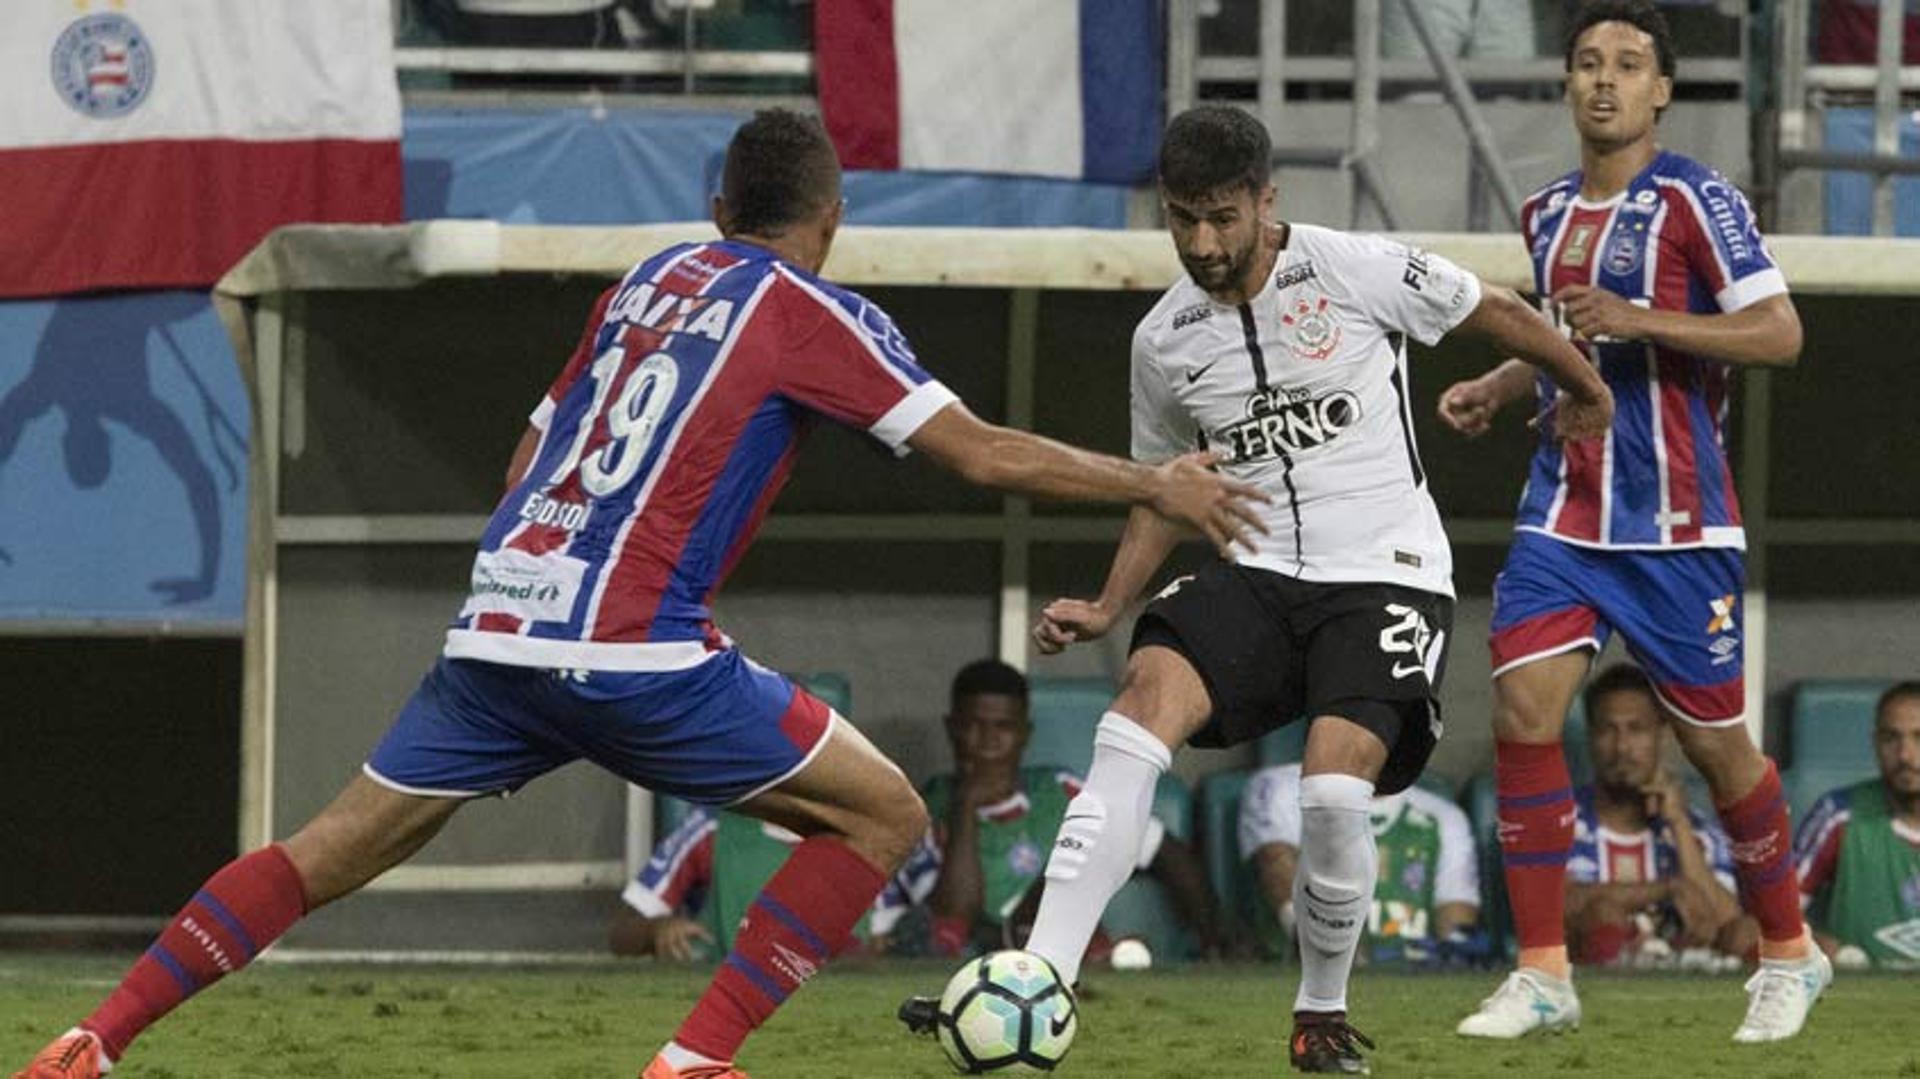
x=77, y=1054
x=661, y=1069
x=1323, y=1042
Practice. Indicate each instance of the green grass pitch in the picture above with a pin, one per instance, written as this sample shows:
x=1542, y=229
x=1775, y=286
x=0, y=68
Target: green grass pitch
x=351, y=1022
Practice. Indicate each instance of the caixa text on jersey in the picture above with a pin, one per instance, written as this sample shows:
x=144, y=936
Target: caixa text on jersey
x=1282, y=422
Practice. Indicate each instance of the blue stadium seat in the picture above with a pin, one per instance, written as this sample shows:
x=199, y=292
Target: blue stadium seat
x=1830, y=726
x=830, y=686
x=1220, y=838
x=1805, y=783
x=1065, y=712
x=1285, y=745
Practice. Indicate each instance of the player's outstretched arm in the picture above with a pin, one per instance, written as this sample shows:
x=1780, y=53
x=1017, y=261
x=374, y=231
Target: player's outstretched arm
x=1148, y=540
x=1185, y=489
x=1764, y=334
x=1469, y=406
x=1585, y=409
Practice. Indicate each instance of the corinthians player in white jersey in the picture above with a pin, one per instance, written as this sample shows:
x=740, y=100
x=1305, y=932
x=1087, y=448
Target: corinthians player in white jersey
x=1284, y=351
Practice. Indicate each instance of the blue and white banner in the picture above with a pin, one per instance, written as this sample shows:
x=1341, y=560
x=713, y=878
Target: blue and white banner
x=123, y=462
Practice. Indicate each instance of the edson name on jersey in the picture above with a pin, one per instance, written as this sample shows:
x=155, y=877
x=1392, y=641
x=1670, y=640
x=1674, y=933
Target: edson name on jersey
x=1282, y=422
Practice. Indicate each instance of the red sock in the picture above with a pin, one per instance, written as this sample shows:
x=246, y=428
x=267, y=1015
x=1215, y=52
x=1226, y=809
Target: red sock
x=1763, y=858
x=804, y=916
x=240, y=910
x=1536, y=835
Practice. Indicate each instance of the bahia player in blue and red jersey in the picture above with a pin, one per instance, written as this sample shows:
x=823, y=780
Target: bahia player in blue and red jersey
x=1653, y=263
x=587, y=635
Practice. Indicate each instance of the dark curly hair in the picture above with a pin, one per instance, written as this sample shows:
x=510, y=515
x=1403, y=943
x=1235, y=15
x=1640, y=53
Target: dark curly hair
x=985, y=676
x=1214, y=148
x=780, y=169
x=1640, y=14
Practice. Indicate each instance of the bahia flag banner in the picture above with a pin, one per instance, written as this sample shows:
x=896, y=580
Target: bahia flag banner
x=1062, y=88
x=151, y=143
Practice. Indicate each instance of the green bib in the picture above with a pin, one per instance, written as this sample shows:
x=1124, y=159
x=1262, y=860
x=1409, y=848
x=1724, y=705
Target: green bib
x=1409, y=845
x=745, y=858
x=1875, y=900
x=1014, y=843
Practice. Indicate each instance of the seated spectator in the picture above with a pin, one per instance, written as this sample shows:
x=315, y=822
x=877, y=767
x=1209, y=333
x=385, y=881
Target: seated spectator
x=1650, y=876
x=994, y=823
x=687, y=901
x=1462, y=28
x=1848, y=32
x=1859, y=849
x=1429, y=882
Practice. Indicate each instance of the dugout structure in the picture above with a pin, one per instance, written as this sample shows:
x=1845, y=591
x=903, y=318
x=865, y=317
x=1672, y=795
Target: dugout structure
x=392, y=369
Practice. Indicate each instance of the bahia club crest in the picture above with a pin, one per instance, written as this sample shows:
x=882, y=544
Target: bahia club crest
x=102, y=65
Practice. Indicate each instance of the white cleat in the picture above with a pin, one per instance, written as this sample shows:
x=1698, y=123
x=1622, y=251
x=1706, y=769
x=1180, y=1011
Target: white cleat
x=1528, y=1002
x=1780, y=994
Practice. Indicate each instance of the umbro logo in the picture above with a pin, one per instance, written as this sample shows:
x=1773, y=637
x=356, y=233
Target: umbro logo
x=794, y=965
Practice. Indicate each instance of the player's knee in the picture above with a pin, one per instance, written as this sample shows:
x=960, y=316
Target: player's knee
x=1520, y=717
x=893, y=835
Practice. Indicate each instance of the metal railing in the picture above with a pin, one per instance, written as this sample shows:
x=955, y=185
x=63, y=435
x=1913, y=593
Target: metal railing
x=1800, y=83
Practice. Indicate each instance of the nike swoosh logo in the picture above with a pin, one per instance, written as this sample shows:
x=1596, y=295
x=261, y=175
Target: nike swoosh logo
x=1059, y=1025
x=1403, y=670
x=1193, y=376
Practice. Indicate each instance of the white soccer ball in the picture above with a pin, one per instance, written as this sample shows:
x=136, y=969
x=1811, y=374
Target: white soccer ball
x=1008, y=1013
x=1131, y=953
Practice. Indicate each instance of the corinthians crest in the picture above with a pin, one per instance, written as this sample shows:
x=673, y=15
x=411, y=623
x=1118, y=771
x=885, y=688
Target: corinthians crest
x=1315, y=333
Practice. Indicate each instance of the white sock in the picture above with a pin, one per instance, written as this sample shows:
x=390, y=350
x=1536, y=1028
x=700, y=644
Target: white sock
x=1332, y=885
x=1099, y=841
x=683, y=1058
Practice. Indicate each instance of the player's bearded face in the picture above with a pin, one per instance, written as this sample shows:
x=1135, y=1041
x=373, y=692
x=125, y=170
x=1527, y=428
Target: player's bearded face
x=1626, y=742
x=1896, y=741
x=1614, y=85
x=1217, y=236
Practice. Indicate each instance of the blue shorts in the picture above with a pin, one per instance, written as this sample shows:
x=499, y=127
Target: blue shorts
x=714, y=734
x=1678, y=611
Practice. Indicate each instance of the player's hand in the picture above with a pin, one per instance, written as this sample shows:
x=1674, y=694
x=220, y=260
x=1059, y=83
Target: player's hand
x=1666, y=799
x=1699, y=916
x=1573, y=419
x=1189, y=491
x=1067, y=621
x=1599, y=314
x=678, y=939
x=1469, y=407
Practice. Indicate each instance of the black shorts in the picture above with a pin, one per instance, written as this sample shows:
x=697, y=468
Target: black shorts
x=1272, y=649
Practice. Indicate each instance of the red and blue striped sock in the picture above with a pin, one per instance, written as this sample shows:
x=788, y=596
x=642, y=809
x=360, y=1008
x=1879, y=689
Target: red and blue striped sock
x=1756, y=823
x=803, y=917
x=240, y=910
x=1536, y=835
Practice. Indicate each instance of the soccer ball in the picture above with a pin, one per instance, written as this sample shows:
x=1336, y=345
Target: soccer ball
x=1007, y=1012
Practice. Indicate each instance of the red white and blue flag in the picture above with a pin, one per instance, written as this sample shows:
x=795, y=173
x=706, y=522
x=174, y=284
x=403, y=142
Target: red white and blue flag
x=151, y=143
x=1064, y=88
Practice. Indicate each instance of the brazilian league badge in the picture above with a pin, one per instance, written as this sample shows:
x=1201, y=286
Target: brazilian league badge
x=103, y=65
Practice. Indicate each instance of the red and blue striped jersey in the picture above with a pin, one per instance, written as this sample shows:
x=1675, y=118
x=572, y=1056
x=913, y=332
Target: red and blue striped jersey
x=1679, y=238
x=663, y=444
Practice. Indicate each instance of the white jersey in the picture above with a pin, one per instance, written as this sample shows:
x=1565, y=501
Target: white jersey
x=1303, y=390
